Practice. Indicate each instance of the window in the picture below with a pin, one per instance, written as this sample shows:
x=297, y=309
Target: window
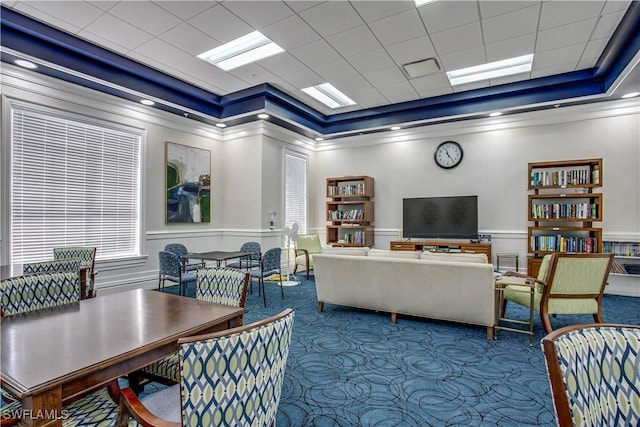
x=295, y=190
x=73, y=183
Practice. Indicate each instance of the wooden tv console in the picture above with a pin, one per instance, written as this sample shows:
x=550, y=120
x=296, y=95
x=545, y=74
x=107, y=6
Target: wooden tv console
x=442, y=246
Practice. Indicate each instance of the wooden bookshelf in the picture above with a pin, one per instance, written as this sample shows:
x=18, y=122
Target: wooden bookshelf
x=563, y=208
x=350, y=211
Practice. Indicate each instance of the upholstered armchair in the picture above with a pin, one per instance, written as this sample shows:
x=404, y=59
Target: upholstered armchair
x=87, y=257
x=568, y=283
x=170, y=268
x=306, y=246
x=181, y=250
x=594, y=372
x=249, y=360
x=220, y=285
x=270, y=264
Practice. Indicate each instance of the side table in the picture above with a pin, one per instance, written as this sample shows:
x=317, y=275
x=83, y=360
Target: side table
x=526, y=285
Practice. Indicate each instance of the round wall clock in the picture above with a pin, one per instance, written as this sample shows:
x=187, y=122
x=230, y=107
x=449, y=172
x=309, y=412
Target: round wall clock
x=448, y=154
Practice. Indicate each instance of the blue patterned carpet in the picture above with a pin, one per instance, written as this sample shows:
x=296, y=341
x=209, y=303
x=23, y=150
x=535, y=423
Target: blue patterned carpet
x=350, y=367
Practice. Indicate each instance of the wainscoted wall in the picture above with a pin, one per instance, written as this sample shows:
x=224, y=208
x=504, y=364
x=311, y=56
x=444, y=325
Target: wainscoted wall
x=247, y=172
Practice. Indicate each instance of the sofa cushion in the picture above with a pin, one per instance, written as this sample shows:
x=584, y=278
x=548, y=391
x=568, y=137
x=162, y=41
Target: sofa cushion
x=381, y=253
x=345, y=251
x=456, y=257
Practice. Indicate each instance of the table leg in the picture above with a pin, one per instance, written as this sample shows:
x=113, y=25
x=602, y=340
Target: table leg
x=532, y=294
x=43, y=409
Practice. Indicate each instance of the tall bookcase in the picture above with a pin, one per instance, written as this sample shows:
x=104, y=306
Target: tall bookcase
x=350, y=211
x=563, y=208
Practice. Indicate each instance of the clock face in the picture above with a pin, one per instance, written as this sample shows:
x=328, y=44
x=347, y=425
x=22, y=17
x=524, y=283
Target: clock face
x=448, y=154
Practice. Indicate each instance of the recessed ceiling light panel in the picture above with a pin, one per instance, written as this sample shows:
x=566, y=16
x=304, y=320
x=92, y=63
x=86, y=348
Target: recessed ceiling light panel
x=25, y=64
x=630, y=95
x=328, y=95
x=492, y=70
x=241, y=51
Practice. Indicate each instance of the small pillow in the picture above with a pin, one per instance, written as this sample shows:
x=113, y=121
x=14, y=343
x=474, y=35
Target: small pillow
x=345, y=251
x=381, y=253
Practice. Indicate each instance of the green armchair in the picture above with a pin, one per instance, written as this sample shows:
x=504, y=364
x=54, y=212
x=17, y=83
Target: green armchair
x=306, y=246
x=567, y=284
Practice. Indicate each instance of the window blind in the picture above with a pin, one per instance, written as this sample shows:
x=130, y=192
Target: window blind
x=295, y=185
x=72, y=184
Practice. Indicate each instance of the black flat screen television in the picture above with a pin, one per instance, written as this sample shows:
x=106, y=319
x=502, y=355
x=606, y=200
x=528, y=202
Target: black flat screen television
x=440, y=217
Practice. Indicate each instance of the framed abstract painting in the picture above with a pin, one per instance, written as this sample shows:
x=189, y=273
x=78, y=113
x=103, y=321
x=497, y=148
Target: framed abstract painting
x=188, y=180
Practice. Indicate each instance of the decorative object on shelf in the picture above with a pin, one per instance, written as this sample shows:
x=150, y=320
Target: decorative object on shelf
x=448, y=154
x=563, y=208
x=188, y=181
x=350, y=211
x=626, y=257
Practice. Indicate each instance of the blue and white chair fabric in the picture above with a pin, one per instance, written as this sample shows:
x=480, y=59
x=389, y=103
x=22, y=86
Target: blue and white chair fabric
x=248, y=261
x=170, y=269
x=51, y=266
x=231, y=378
x=594, y=374
x=87, y=257
x=32, y=292
x=220, y=285
x=181, y=250
x=270, y=264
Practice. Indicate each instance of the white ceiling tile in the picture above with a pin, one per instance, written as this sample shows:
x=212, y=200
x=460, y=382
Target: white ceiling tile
x=210, y=73
x=422, y=84
x=289, y=68
x=463, y=58
x=354, y=41
x=616, y=6
x=334, y=70
x=374, y=10
x=606, y=25
x=184, y=9
x=512, y=24
x=315, y=53
x=360, y=90
x=398, y=92
x=373, y=60
x=220, y=24
x=259, y=14
x=594, y=49
x=458, y=38
x=397, y=28
x=103, y=4
x=557, y=69
x=255, y=74
x=301, y=5
x=290, y=33
x=149, y=61
x=126, y=35
x=510, y=79
x=570, y=34
x=134, y=12
x=429, y=92
x=103, y=42
x=469, y=86
x=187, y=38
x=511, y=48
x=586, y=63
x=332, y=17
x=59, y=15
x=556, y=57
x=557, y=13
x=411, y=50
x=156, y=48
x=384, y=76
x=489, y=8
x=443, y=15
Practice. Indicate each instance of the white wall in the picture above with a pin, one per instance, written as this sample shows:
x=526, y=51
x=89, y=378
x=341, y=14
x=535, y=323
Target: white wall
x=247, y=171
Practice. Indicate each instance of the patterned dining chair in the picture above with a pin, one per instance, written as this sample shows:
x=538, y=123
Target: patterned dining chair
x=270, y=264
x=221, y=285
x=594, y=373
x=254, y=249
x=87, y=257
x=232, y=378
x=32, y=292
x=38, y=291
x=181, y=250
x=170, y=269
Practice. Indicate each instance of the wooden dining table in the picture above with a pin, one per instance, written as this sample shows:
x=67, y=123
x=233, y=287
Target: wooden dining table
x=54, y=355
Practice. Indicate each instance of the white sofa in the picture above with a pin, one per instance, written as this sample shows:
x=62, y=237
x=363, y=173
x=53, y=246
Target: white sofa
x=451, y=287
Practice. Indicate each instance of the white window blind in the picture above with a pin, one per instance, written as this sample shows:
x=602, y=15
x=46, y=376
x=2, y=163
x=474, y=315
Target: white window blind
x=295, y=209
x=72, y=184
